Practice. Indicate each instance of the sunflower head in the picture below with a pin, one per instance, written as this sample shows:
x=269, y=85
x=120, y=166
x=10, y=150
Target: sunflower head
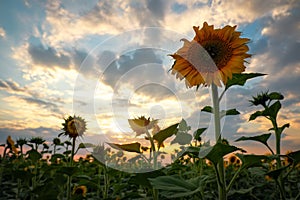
x=141, y=124
x=74, y=126
x=11, y=145
x=80, y=191
x=211, y=57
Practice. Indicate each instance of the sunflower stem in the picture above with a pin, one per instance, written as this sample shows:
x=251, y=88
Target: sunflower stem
x=220, y=167
x=216, y=112
x=71, y=164
x=73, y=150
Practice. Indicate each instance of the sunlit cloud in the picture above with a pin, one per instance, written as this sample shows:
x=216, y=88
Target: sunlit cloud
x=2, y=32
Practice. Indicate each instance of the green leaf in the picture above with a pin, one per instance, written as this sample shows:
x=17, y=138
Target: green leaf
x=216, y=152
x=197, y=134
x=68, y=170
x=191, y=150
x=240, y=79
x=165, y=133
x=132, y=147
x=276, y=173
x=54, y=157
x=272, y=111
x=85, y=145
x=259, y=138
x=182, y=138
x=183, y=126
x=281, y=129
x=232, y=112
x=142, y=178
x=242, y=191
x=229, y=112
x=174, y=186
x=208, y=109
x=255, y=115
x=276, y=96
x=34, y=155
x=295, y=156
x=251, y=160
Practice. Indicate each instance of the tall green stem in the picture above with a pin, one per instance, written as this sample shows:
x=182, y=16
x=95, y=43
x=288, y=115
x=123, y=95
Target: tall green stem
x=71, y=164
x=216, y=111
x=220, y=167
x=278, y=152
x=153, y=149
x=72, y=152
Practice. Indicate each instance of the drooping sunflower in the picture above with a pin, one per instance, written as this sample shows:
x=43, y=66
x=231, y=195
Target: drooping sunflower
x=74, y=126
x=141, y=124
x=211, y=57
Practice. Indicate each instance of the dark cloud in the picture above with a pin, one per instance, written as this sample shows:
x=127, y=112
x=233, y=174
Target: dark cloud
x=84, y=63
x=48, y=56
x=127, y=62
x=46, y=133
x=10, y=85
x=44, y=104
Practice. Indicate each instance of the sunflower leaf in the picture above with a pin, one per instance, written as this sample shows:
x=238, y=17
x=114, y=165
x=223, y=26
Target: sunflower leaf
x=216, y=152
x=276, y=173
x=240, y=79
x=175, y=186
x=182, y=138
x=229, y=112
x=33, y=155
x=276, y=96
x=256, y=114
x=273, y=110
x=295, y=156
x=85, y=145
x=280, y=129
x=165, y=133
x=208, y=109
x=197, y=134
x=259, y=138
x=249, y=161
x=132, y=147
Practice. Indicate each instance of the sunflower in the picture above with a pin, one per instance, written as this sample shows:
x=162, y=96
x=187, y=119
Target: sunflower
x=74, y=126
x=141, y=124
x=11, y=145
x=211, y=57
x=80, y=190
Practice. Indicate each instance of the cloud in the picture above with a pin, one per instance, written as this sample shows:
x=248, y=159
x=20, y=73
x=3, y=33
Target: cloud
x=11, y=86
x=48, y=56
x=44, y=132
x=2, y=32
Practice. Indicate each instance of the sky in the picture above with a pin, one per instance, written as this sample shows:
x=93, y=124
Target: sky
x=107, y=61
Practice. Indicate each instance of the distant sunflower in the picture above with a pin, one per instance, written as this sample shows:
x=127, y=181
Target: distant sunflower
x=80, y=190
x=74, y=126
x=211, y=57
x=11, y=145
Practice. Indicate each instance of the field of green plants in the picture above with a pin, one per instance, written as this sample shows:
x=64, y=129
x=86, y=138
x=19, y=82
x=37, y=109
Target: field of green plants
x=48, y=171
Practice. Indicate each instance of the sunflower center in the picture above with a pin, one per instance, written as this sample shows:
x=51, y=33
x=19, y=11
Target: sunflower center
x=220, y=51
x=199, y=58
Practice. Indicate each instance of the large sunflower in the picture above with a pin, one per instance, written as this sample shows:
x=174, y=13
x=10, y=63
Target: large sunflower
x=211, y=57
